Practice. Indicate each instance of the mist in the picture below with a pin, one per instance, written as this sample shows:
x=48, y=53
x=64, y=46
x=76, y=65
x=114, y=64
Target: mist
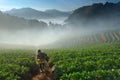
x=33, y=37
x=36, y=37
x=59, y=20
x=52, y=35
x=77, y=28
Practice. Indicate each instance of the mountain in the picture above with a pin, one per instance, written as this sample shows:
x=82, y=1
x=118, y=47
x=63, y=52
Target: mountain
x=107, y=14
x=15, y=23
x=30, y=13
x=57, y=13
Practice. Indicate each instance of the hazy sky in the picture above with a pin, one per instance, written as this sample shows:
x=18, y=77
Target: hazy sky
x=65, y=5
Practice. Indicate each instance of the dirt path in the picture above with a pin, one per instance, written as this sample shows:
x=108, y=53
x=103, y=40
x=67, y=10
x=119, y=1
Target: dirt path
x=34, y=73
x=42, y=76
x=47, y=75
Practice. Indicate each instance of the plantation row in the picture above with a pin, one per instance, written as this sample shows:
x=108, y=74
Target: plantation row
x=95, y=63
x=15, y=63
x=101, y=62
x=105, y=37
x=87, y=40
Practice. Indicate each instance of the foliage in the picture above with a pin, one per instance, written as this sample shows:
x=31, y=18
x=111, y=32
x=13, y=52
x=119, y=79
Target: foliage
x=101, y=62
x=14, y=63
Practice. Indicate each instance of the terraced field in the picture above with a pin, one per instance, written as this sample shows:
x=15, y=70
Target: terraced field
x=91, y=39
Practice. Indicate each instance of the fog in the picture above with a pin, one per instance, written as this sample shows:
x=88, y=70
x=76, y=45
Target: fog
x=38, y=37
x=22, y=35
x=58, y=20
x=31, y=37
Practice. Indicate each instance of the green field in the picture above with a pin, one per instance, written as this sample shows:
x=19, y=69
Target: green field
x=99, y=62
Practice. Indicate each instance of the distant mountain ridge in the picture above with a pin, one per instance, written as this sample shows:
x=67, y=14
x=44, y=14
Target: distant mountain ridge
x=57, y=13
x=9, y=22
x=30, y=13
x=98, y=13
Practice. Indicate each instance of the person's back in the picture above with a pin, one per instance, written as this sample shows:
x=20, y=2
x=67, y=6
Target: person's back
x=42, y=60
x=43, y=56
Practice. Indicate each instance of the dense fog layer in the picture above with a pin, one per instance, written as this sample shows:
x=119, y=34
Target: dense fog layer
x=31, y=37
x=37, y=37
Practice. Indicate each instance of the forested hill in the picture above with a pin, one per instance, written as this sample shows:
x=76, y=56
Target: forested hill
x=98, y=13
x=14, y=23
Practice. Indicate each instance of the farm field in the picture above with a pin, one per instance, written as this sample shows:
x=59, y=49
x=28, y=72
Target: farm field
x=99, y=62
x=90, y=39
x=80, y=37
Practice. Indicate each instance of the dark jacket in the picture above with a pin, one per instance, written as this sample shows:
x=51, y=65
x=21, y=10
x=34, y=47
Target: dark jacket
x=43, y=56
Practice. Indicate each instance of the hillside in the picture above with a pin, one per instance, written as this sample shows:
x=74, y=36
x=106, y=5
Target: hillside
x=91, y=39
x=57, y=13
x=9, y=22
x=30, y=13
x=97, y=15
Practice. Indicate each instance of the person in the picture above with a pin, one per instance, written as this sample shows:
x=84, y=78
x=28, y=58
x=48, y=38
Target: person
x=42, y=60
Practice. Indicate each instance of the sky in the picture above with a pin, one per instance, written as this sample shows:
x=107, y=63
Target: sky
x=64, y=5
